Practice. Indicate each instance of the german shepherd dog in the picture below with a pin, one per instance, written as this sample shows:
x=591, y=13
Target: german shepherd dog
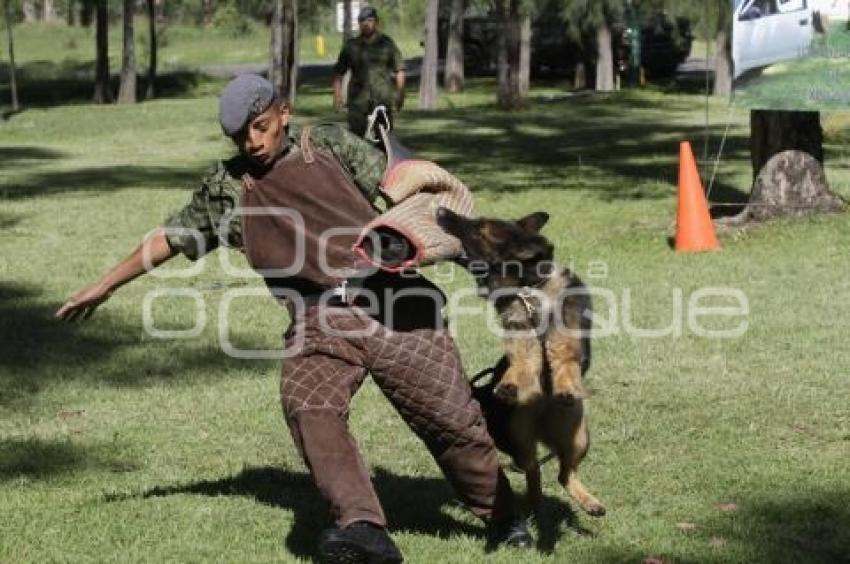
x=536, y=394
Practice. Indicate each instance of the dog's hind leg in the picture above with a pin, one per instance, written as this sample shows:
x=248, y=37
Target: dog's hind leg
x=586, y=500
x=524, y=440
x=568, y=436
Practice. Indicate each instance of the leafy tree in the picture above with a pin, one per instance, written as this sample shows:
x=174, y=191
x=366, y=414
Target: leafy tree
x=594, y=19
x=712, y=21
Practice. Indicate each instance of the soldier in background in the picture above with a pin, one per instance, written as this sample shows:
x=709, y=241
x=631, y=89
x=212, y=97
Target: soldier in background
x=377, y=73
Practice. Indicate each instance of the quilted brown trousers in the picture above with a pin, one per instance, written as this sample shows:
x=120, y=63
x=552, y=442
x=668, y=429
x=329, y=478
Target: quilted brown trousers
x=420, y=372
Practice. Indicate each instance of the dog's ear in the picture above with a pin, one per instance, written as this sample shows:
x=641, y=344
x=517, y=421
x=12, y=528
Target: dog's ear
x=449, y=221
x=534, y=223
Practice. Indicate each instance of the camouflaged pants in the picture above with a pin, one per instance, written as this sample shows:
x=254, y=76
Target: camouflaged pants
x=420, y=372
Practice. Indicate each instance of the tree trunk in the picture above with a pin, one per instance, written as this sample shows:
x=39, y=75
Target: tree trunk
x=580, y=76
x=13, y=83
x=152, y=48
x=773, y=131
x=86, y=12
x=283, y=66
x=524, y=76
x=102, y=88
x=428, y=78
x=207, y=11
x=508, y=91
x=722, y=65
x=346, y=20
x=294, y=49
x=453, y=75
x=29, y=9
x=604, y=60
x=127, y=88
x=71, y=13
x=48, y=11
x=789, y=178
x=503, y=70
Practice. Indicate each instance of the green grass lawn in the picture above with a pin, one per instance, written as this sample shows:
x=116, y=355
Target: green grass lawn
x=116, y=446
x=181, y=46
x=55, y=62
x=817, y=82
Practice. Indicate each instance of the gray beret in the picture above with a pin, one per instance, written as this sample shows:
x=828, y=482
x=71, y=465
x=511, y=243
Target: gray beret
x=367, y=12
x=244, y=98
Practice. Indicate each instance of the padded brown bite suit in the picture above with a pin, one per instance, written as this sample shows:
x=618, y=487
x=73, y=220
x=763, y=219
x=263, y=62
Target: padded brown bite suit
x=412, y=359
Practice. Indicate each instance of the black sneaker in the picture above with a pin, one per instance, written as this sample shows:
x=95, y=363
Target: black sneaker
x=511, y=533
x=359, y=543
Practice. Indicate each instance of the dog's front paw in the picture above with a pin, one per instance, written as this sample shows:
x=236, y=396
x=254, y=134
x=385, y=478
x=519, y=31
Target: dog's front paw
x=569, y=392
x=506, y=392
x=567, y=400
x=528, y=394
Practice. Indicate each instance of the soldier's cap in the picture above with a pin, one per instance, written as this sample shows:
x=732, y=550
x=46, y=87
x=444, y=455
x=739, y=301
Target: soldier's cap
x=367, y=12
x=244, y=98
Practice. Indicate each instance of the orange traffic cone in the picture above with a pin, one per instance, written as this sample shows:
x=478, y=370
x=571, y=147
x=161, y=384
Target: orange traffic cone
x=694, y=230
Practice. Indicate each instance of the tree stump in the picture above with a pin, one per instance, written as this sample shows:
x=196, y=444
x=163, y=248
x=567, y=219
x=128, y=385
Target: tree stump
x=792, y=183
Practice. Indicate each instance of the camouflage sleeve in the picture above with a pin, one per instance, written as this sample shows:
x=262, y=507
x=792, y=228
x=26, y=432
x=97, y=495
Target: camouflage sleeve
x=397, y=59
x=197, y=228
x=362, y=161
x=343, y=62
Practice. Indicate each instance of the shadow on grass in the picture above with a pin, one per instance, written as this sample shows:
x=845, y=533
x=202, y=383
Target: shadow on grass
x=7, y=221
x=555, y=514
x=36, y=350
x=790, y=528
x=47, y=84
x=578, y=148
x=107, y=178
x=34, y=347
x=411, y=504
x=40, y=459
x=14, y=157
x=726, y=200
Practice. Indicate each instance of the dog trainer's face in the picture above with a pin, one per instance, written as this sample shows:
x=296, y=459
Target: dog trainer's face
x=261, y=139
x=499, y=243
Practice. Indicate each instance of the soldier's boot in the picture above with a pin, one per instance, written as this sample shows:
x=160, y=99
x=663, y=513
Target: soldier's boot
x=359, y=543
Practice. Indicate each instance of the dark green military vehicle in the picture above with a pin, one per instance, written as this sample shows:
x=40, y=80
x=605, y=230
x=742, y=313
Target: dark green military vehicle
x=665, y=44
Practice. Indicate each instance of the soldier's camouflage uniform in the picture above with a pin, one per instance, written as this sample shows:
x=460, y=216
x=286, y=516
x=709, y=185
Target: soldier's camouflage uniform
x=197, y=228
x=372, y=63
x=324, y=174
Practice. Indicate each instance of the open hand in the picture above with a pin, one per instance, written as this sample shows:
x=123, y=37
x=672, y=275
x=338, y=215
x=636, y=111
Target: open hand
x=83, y=303
x=248, y=182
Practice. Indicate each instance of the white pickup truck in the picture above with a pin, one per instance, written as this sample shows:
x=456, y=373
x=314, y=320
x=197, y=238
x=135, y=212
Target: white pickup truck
x=765, y=32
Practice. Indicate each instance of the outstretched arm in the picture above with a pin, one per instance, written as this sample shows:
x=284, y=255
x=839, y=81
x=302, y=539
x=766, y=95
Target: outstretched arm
x=340, y=68
x=155, y=249
x=337, y=90
x=400, y=80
